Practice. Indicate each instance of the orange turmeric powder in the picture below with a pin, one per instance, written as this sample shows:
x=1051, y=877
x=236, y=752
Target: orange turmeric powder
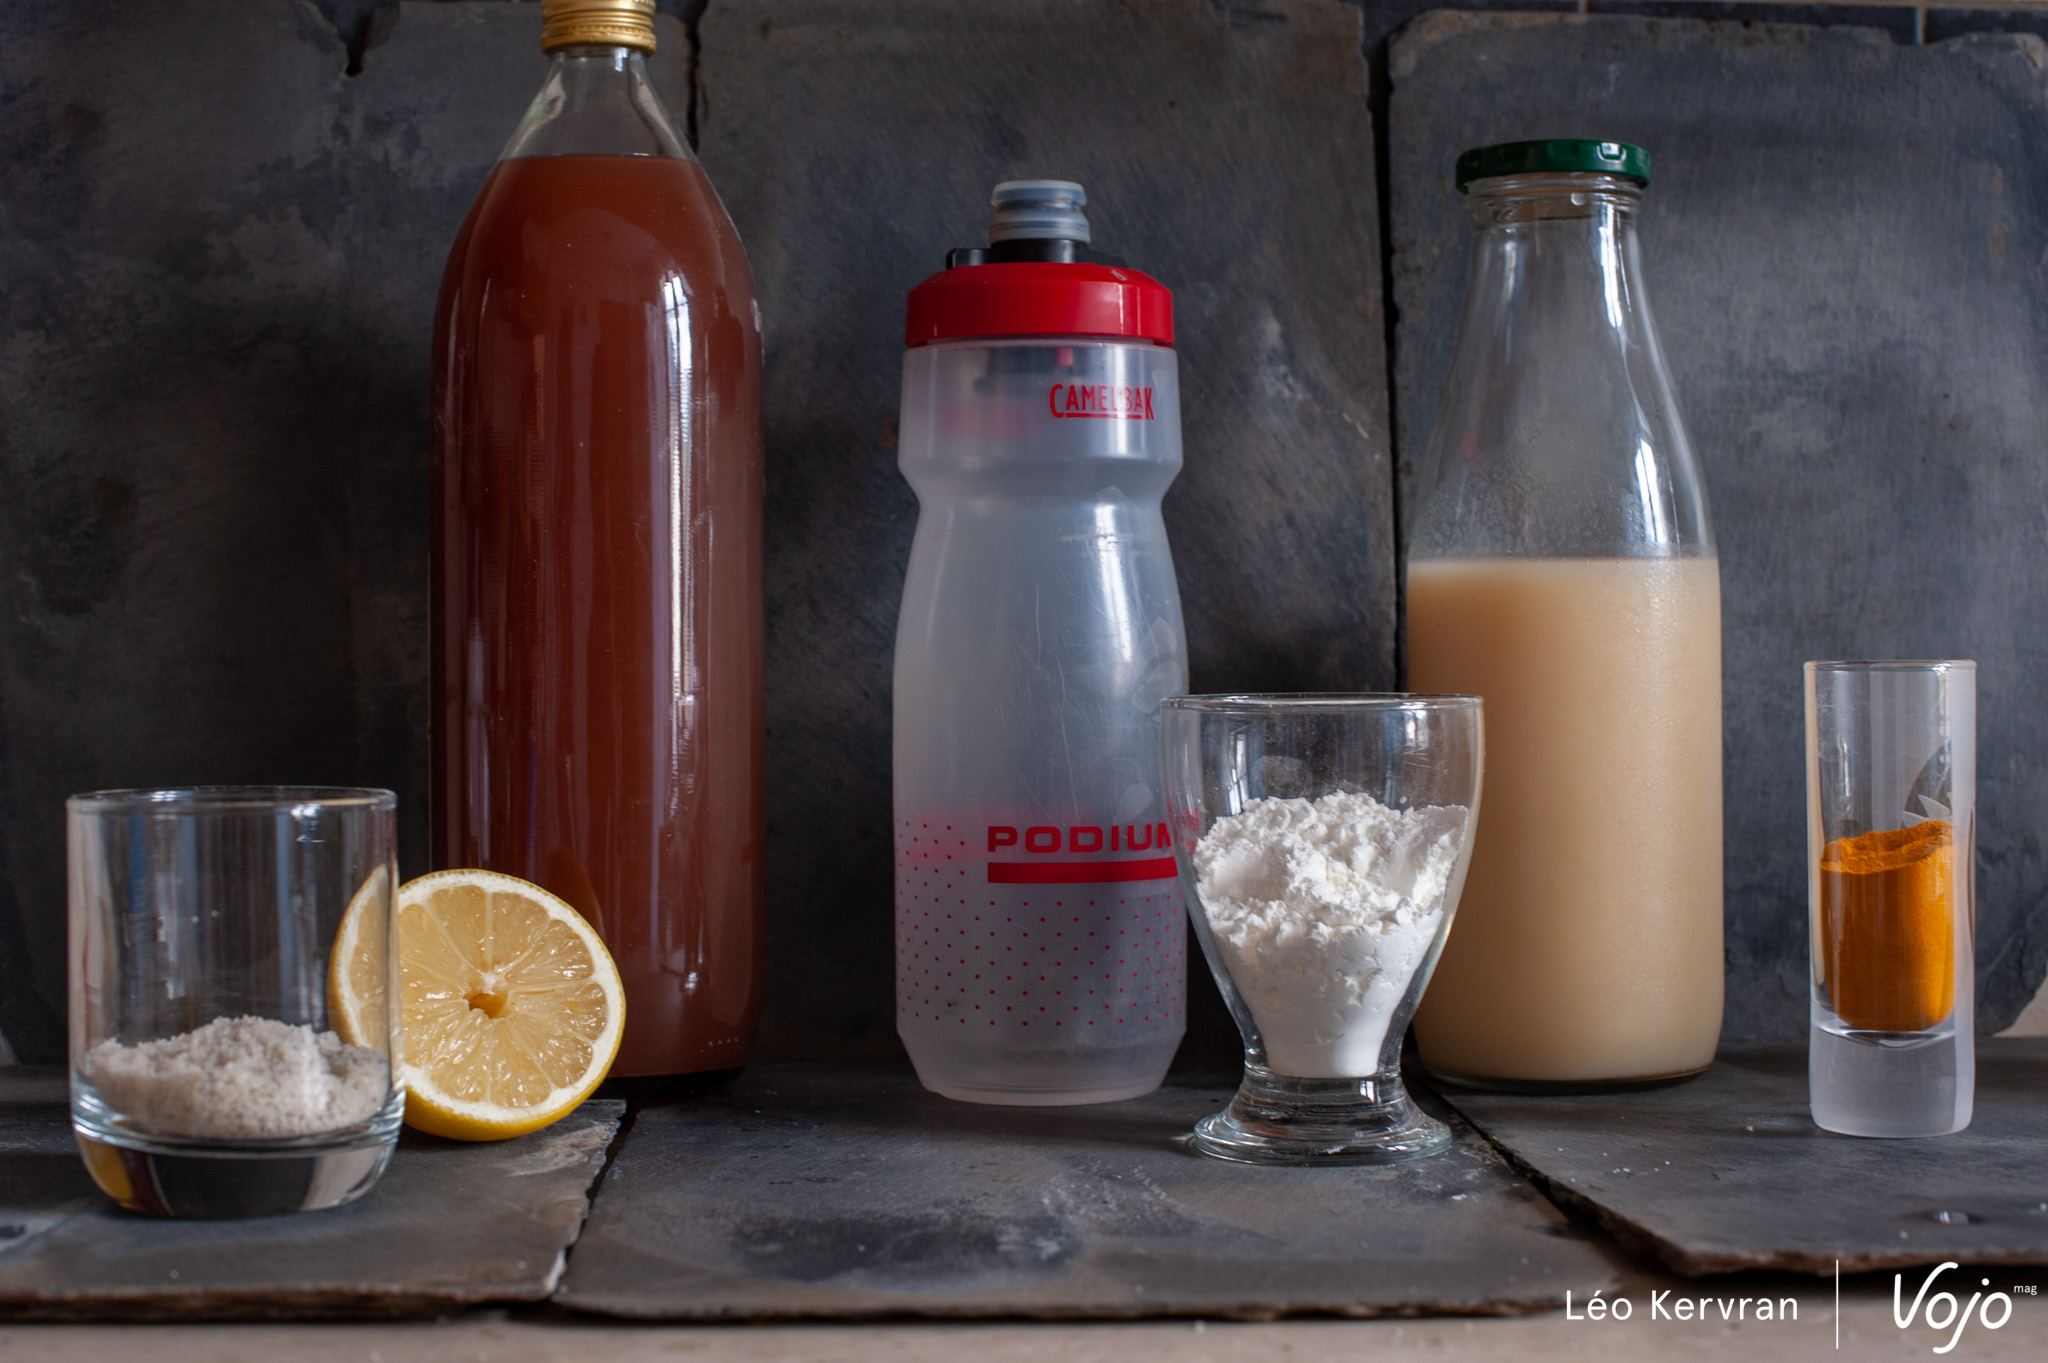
x=1887, y=927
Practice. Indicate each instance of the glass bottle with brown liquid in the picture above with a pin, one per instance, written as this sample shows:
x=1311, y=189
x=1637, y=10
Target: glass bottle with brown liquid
x=597, y=575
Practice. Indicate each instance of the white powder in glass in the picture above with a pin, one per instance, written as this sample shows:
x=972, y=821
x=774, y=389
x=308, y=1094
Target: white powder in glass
x=1322, y=913
x=245, y=1078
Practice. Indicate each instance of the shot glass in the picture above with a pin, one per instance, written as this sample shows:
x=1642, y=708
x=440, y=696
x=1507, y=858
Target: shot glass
x=1322, y=843
x=1891, y=801
x=215, y=934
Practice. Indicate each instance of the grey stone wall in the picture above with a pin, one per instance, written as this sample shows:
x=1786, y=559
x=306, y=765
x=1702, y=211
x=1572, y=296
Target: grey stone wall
x=218, y=259
x=222, y=223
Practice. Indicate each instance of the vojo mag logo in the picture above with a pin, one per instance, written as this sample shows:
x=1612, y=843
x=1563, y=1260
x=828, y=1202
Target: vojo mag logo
x=1944, y=1309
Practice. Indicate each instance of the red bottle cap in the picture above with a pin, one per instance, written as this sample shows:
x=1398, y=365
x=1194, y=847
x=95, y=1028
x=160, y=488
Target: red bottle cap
x=1039, y=298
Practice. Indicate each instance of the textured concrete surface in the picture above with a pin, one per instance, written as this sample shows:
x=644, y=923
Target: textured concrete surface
x=1853, y=293
x=1227, y=151
x=218, y=259
x=1728, y=1171
x=448, y=1223
x=850, y=1191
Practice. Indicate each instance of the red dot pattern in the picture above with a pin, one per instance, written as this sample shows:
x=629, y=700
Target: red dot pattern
x=1030, y=960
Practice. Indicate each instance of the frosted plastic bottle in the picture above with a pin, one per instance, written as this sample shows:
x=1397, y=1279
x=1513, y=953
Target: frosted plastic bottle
x=1041, y=952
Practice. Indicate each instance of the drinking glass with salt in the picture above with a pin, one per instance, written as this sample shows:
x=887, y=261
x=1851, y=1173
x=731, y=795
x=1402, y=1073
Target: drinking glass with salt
x=205, y=1078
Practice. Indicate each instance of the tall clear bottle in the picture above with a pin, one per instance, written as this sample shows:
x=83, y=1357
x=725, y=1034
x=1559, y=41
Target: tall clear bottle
x=597, y=575
x=1561, y=564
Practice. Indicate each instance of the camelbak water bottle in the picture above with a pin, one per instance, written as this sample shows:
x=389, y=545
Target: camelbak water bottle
x=1041, y=952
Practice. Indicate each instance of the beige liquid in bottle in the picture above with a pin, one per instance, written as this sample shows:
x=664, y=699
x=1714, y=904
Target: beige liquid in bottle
x=1587, y=944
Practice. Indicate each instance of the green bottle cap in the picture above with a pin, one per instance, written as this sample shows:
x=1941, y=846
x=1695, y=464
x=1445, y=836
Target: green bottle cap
x=1555, y=153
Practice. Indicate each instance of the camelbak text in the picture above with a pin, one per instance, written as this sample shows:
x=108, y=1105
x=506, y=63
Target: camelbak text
x=1115, y=401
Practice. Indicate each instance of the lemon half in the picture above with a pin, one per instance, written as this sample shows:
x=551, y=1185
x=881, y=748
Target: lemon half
x=356, y=988
x=511, y=1006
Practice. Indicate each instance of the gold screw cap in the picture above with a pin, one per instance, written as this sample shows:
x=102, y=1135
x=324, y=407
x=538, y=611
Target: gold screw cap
x=597, y=23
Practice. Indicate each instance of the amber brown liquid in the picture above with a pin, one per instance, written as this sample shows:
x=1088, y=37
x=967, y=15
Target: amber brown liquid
x=597, y=649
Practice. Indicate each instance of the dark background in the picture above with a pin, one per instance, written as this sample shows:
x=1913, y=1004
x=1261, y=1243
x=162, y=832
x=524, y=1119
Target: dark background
x=222, y=223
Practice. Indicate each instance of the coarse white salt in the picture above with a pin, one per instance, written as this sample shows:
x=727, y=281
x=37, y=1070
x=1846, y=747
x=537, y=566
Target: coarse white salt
x=245, y=1078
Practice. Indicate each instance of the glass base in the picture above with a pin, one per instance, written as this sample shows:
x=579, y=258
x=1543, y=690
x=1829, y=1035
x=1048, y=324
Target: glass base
x=1895, y=1085
x=204, y=1181
x=1278, y=1119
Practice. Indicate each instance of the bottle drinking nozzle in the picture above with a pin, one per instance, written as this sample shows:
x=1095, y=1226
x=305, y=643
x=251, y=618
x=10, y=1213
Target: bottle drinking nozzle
x=1038, y=210
x=1038, y=220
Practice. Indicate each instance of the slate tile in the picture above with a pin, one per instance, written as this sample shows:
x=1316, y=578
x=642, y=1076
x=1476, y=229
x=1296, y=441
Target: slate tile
x=1943, y=24
x=1901, y=21
x=1728, y=1172
x=848, y=1192
x=1851, y=295
x=160, y=362
x=450, y=1223
x=1226, y=152
x=1383, y=18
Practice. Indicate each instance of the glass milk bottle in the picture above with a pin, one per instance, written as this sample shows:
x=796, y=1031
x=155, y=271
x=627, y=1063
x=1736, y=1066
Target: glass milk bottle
x=1041, y=943
x=1561, y=565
